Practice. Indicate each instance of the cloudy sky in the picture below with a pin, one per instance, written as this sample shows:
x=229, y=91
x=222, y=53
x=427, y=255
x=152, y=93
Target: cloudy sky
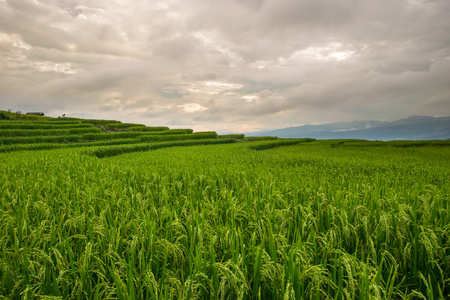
x=226, y=65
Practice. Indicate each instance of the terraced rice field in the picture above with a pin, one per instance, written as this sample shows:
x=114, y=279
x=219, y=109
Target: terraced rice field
x=140, y=217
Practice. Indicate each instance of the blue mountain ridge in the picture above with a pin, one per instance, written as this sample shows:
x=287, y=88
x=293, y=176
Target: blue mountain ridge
x=411, y=128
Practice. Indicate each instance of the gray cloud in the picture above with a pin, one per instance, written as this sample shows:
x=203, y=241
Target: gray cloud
x=226, y=65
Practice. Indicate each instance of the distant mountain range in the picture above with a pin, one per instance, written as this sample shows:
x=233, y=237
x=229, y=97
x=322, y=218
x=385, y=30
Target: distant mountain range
x=411, y=128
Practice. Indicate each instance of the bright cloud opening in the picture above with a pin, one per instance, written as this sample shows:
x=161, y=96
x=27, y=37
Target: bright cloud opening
x=337, y=51
x=212, y=87
x=250, y=98
x=192, y=107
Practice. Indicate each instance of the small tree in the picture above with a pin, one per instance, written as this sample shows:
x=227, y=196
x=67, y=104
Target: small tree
x=4, y=117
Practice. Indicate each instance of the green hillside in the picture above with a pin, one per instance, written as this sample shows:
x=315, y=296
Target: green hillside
x=31, y=132
x=99, y=209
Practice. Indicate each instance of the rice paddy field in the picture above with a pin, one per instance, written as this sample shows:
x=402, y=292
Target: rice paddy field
x=210, y=217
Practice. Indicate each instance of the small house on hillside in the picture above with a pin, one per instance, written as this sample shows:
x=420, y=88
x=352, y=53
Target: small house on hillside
x=36, y=113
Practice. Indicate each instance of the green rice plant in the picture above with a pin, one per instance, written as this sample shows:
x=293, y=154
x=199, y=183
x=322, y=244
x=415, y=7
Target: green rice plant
x=40, y=122
x=118, y=125
x=95, y=122
x=223, y=221
x=186, y=130
x=41, y=125
x=163, y=132
x=78, y=143
x=40, y=139
x=41, y=132
x=64, y=119
x=111, y=135
x=405, y=144
x=117, y=150
x=23, y=117
x=141, y=128
x=232, y=136
x=260, y=138
x=174, y=137
x=395, y=143
x=171, y=131
x=279, y=143
x=356, y=143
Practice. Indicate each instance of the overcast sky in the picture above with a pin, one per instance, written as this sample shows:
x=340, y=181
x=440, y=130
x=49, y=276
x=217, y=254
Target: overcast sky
x=226, y=65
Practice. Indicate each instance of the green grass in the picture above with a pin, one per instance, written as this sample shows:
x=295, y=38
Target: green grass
x=224, y=221
x=279, y=143
x=48, y=122
x=145, y=136
x=260, y=138
x=23, y=116
x=53, y=132
x=141, y=128
x=110, y=135
x=66, y=143
x=121, y=149
x=174, y=137
x=9, y=144
x=119, y=125
x=172, y=131
x=42, y=125
x=95, y=122
x=395, y=143
x=23, y=140
x=232, y=136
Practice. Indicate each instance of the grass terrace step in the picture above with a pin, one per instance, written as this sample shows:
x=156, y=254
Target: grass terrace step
x=95, y=122
x=36, y=132
x=260, y=138
x=122, y=125
x=139, y=128
x=42, y=125
x=232, y=136
x=122, y=149
x=41, y=139
x=396, y=143
x=58, y=145
x=111, y=135
x=279, y=143
x=24, y=117
x=170, y=131
x=147, y=136
x=173, y=137
x=39, y=122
